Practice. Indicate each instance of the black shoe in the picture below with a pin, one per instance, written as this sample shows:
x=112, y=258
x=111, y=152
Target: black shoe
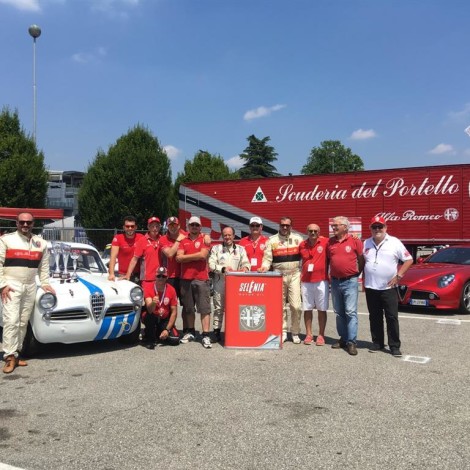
x=396, y=352
x=376, y=348
x=216, y=335
x=150, y=345
x=339, y=344
x=352, y=350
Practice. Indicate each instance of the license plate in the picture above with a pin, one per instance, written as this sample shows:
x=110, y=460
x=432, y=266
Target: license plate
x=419, y=302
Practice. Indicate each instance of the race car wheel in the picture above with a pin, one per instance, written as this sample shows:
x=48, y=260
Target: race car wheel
x=31, y=346
x=465, y=299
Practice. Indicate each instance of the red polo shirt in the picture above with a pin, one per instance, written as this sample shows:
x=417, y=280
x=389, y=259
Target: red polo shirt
x=194, y=269
x=126, y=251
x=343, y=256
x=146, y=249
x=173, y=267
x=167, y=298
x=314, y=260
x=254, y=250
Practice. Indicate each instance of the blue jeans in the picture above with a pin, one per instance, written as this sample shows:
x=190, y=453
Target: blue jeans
x=344, y=295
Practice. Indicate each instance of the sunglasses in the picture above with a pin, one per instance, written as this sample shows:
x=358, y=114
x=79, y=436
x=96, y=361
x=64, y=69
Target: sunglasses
x=25, y=222
x=161, y=276
x=284, y=225
x=377, y=227
x=129, y=226
x=255, y=225
x=194, y=225
x=313, y=231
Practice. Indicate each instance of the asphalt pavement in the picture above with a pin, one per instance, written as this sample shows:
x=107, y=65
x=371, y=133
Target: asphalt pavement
x=107, y=406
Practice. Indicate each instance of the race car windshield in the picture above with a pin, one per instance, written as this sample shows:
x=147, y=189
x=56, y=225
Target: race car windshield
x=87, y=261
x=457, y=255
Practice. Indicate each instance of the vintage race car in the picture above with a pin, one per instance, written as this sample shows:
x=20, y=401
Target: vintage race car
x=86, y=307
x=442, y=281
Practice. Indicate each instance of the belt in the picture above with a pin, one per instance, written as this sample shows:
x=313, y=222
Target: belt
x=344, y=278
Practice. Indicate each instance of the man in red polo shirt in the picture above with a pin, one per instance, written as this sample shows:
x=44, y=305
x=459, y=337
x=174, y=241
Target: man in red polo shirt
x=314, y=277
x=195, y=289
x=146, y=250
x=346, y=263
x=161, y=305
x=255, y=243
x=122, y=250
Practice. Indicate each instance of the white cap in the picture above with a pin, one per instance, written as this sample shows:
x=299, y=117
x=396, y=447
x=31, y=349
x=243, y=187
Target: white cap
x=194, y=220
x=256, y=220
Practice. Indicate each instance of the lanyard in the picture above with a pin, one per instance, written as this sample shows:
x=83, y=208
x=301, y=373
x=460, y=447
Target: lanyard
x=161, y=310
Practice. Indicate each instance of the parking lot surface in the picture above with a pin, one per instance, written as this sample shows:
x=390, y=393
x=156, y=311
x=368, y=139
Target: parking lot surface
x=106, y=406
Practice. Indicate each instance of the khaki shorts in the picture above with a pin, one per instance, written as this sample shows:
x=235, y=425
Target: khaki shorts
x=195, y=295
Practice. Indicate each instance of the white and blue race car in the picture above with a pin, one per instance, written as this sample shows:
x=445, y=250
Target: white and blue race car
x=87, y=306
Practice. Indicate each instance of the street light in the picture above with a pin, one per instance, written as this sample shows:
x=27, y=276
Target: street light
x=34, y=31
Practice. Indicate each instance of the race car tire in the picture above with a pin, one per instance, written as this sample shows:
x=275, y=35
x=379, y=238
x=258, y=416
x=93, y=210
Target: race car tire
x=465, y=299
x=31, y=346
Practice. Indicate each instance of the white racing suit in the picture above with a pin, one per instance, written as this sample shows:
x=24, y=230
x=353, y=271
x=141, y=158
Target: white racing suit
x=21, y=258
x=221, y=257
x=282, y=253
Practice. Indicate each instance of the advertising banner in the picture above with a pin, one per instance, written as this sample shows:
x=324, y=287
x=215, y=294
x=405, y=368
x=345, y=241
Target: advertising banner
x=253, y=312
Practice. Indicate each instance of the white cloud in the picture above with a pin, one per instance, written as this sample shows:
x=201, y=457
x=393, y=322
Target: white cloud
x=363, y=134
x=442, y=149
x=235, y=163
x=114, y=8
x=462, y=114
x=172, y=151
x=262, y=111
x=24, y=5
x=86, y=57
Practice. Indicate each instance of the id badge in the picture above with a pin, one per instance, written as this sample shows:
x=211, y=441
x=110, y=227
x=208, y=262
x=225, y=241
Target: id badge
x=254, y=262
x=310, y=267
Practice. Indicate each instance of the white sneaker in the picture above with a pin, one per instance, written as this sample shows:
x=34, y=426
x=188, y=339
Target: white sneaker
x=206, y=342
x=296, y=339
x=284, y=337
x=187, y=338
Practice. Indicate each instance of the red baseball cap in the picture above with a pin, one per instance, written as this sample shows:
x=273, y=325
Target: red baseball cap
x=153, y=220
x=172, y=220
x=377, y=220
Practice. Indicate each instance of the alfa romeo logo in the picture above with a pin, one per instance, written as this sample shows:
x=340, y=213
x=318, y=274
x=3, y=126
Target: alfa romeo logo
x=451, y=214
x=252, y=318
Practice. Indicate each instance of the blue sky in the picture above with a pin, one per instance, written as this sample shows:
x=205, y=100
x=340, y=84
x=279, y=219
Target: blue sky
x=390, y=79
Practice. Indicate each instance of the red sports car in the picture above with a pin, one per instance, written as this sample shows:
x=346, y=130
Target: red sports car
x=442, y=281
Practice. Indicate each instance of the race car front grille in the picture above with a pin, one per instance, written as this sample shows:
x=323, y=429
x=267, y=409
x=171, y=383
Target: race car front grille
x=114, y=310
x=97, y=304
x=423, y=295
x=71, y=314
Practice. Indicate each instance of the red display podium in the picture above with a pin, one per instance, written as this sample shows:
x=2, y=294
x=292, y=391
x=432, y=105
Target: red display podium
x=253, y=310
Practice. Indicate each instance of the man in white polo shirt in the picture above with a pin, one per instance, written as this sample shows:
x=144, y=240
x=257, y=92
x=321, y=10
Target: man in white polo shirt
x=382, y=273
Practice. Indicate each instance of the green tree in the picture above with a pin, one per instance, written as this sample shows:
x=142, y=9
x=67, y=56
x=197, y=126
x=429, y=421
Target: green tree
x=133, y=177
x=203, y=167
x=332, y=157
x=23, y=177
x=258, y=158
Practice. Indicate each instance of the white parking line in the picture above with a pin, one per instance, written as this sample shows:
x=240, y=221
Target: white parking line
x=417, y=359
x=4, y=466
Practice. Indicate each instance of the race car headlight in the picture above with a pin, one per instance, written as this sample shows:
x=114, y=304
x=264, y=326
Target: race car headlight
x=136, y=295
x=47, y=302
x=444, y=281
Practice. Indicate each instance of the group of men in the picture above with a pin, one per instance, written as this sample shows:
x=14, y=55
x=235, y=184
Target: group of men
x=309, y=268
x=177, y=265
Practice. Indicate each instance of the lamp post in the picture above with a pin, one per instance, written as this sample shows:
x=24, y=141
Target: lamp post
x=34, y=31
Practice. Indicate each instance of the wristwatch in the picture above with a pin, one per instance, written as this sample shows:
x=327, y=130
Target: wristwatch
x=168, y=329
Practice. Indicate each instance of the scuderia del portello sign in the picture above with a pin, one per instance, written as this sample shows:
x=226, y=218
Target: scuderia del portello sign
x=394, y=187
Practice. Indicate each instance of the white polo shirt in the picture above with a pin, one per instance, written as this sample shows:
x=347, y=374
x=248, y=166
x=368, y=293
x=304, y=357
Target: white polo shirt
x=381, y=261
